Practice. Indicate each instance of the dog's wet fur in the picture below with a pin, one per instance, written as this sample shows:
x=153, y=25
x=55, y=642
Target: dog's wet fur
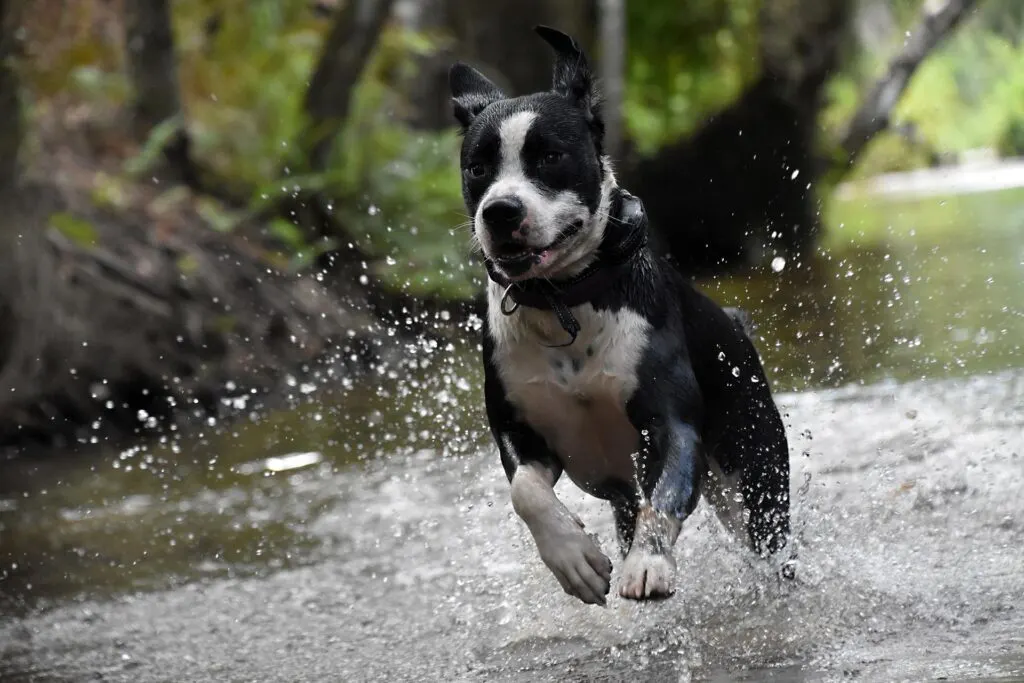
x=659, y=398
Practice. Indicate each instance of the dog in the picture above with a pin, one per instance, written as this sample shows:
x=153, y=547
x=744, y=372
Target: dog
x=601, y=360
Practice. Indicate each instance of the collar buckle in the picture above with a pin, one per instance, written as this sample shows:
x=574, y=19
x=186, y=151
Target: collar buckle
x=506, y=297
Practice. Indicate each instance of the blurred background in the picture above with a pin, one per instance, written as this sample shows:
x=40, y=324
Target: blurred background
x=236, y=289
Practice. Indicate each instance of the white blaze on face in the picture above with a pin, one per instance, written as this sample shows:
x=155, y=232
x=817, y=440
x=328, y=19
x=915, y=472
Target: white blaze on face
x=546, y=216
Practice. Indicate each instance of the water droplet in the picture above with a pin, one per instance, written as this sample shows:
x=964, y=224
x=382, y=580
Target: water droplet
x=778, y=263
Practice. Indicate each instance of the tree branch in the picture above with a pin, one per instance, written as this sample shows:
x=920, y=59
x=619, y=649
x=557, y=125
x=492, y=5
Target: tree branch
x=938, y=19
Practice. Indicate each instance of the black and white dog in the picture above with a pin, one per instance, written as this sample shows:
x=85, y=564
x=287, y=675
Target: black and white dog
x=600, y=359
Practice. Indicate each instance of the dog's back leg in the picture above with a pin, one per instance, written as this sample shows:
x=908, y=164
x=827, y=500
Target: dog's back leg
x=743, y=432
x=749, y=483
x=723, y=493
x=749, y=455
x=765, y=485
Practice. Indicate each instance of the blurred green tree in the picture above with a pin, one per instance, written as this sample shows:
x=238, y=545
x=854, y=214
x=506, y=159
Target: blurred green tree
x=331, y=119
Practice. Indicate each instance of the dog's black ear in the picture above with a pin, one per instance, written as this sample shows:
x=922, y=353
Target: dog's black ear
x=471, y=92
x=572, y=78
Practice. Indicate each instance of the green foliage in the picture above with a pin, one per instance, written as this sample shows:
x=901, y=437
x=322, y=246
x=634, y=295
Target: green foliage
x=79, y=231
x=301, y=253
x=244, y=66
x=93, y=82
x=1004, y=18
x=687, y=60
x=1004, y=106
x=243, y=85
x=152, y=152
x=1011, y=142
x=395, y=191
x=213, y=212
x=402, y=190
x=71, y=49
x=111, y=192
x=969, y=94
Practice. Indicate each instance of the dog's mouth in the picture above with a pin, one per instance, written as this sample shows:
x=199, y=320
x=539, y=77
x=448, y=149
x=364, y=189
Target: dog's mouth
x=516, y=259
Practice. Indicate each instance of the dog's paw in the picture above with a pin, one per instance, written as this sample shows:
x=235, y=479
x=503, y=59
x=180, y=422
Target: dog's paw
x=577, y=562
x=647, y=575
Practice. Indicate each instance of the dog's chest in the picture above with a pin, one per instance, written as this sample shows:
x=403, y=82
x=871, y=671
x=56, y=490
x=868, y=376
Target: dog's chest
x=575, y=397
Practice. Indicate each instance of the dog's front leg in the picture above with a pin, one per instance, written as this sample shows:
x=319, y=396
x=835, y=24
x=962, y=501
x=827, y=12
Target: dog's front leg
x=532, y=470
x=649, y=569
x=572, y=556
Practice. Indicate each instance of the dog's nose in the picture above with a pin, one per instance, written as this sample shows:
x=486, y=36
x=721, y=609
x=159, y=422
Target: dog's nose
x=504, y=215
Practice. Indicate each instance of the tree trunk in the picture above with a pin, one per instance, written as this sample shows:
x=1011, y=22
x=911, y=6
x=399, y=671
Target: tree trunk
x=740, y=190
x=612, y=67
x=496, y=37
x=345, y=54
x=152, y=66
x=153, y=72
x=10, y=106
x=430, y=102
x=10, y=231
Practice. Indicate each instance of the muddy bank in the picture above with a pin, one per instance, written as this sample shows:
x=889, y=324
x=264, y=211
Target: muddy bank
x=413, y=567
x=119, y=322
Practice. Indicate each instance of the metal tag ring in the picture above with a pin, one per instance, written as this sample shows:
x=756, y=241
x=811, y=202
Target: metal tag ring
x=506, y=296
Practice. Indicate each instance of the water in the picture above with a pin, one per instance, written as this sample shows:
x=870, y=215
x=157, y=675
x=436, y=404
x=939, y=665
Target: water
x=380, y=544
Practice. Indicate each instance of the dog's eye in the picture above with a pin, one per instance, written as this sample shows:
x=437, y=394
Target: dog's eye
x=551, y=158
x=476, y=170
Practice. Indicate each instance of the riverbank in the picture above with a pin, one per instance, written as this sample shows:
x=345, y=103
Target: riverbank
x=127, y=320
x=972, y=177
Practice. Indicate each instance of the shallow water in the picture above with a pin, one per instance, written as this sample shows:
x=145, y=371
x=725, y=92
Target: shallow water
x=366, y=534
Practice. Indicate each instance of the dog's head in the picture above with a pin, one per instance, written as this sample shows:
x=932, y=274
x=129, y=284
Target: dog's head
x=534, y=178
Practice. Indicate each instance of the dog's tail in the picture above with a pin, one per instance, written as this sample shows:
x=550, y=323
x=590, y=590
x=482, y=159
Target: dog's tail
x=741, y=318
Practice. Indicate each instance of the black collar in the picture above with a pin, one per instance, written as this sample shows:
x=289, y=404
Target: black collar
x=625, y=236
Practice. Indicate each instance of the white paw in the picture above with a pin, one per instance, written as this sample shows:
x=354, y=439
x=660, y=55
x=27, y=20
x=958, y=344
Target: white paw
x=576, y=561
x=647, y=575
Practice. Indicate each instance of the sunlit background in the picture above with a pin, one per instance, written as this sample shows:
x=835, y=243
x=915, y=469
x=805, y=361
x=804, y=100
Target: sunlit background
x=242, y=433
